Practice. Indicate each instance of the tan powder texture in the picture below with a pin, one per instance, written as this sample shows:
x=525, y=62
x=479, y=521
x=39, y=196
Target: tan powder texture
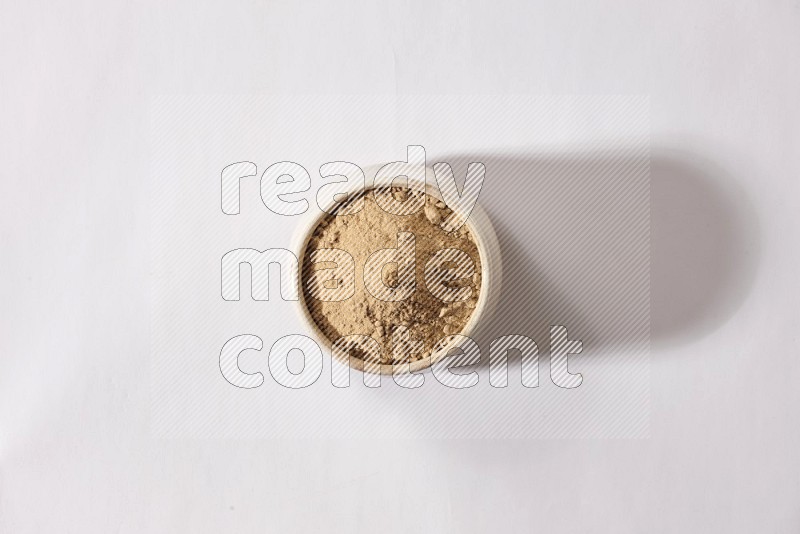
x=427, y=318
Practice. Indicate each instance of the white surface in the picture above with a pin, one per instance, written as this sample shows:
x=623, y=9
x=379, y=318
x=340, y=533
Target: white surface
x=550, y=222
x=75, y=443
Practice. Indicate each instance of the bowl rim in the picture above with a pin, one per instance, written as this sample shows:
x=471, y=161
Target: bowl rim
x=482, y=233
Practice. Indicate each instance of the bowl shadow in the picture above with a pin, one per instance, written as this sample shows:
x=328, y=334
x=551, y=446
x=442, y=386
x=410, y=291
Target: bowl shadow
x=629, y=250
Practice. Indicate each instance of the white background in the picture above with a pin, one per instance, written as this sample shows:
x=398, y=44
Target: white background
x=76, y=450
x=573, y=229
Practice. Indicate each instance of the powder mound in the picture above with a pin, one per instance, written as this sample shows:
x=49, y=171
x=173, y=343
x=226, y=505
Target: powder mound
x=405, y=330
